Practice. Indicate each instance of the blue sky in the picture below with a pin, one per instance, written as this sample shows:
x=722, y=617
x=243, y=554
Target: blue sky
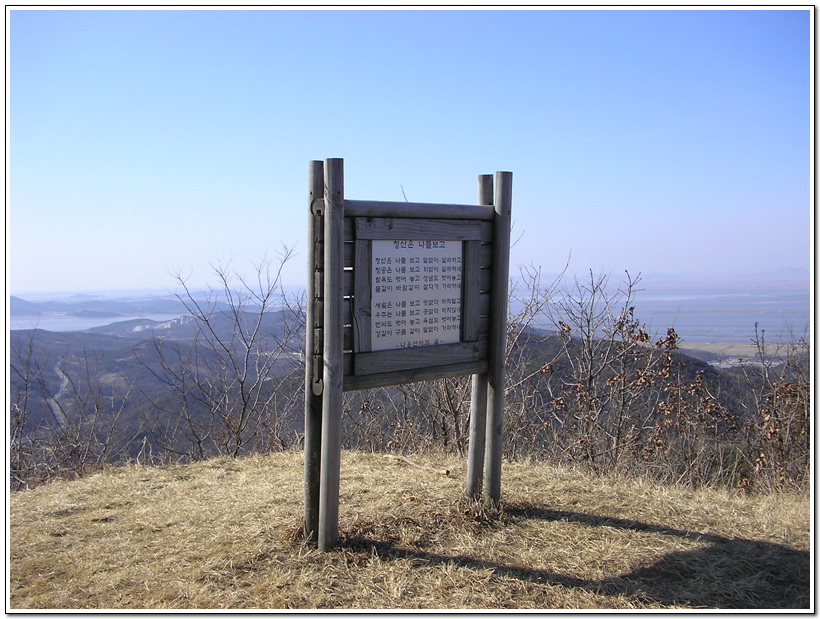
x=147, y=141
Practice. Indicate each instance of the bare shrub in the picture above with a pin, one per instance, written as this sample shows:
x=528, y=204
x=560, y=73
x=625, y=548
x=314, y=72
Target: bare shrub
x=693, y=437
x=231, y=388
x=594, y=377
x=28, y=402
x=68, y=428
x=587, y=385
x=777, y=447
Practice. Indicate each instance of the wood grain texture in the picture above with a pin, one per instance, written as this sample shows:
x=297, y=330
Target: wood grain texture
x=417, y=210
x=478, y=398
x=421, y=230
x=333, y=355
x=361, y=296
x=478, y=433
x=470, y=291
x=313, y=351
x=347, y=282
x=371, y=381
x=498, y=338
x=421, y=357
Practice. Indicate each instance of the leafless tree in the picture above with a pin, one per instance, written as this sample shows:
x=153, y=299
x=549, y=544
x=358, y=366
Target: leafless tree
x=68, y=430
x=583, y=382
x=89, y=407
x=27, y=404
x=228, y=386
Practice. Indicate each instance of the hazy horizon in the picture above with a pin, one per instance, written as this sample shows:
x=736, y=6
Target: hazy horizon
x=698, y=312
x=791, y=278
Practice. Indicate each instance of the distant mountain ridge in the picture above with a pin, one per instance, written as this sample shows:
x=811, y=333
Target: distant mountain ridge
x=85, y=307
x=793, y=278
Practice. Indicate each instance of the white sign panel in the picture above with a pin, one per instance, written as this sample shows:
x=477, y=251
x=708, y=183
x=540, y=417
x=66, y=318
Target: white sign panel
x=415, y=294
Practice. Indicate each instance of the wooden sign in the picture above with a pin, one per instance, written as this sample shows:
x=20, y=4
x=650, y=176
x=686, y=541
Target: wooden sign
x=378, y=352
x=400, y=292
x=415, y=298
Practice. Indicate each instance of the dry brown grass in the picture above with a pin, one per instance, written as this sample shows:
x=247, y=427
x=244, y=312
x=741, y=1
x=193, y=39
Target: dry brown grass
x=226, y=534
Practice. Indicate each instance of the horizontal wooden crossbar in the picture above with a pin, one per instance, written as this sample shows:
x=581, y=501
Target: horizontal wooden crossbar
x=401, y=377
x=414, y=229
x=421, y=357
x=417, y=210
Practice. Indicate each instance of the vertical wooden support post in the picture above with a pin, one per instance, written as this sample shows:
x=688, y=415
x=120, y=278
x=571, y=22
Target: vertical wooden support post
x=333, y=370
x=313, y=349
x=498, y=337
x=478, y=399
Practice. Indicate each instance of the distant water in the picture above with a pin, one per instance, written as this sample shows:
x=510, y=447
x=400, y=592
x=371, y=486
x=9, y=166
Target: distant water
x=726, y=315
x=722, y=315
x=74, y=323
x=696, y=315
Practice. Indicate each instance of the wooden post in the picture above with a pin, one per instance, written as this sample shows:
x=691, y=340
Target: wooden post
x=498, y=337
x=478, y=399
x=333, y=351
x=313, y=349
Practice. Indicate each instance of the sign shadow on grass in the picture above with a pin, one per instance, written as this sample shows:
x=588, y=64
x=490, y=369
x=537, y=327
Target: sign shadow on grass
x=728, y=573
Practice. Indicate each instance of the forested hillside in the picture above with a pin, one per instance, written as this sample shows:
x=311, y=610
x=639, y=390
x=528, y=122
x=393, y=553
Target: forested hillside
x=585, y=385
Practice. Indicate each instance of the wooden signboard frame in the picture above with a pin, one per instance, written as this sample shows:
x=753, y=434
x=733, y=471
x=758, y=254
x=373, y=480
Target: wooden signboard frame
x=339, y=351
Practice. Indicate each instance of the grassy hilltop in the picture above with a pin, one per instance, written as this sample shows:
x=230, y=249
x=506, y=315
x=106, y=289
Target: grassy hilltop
x=225, y=533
